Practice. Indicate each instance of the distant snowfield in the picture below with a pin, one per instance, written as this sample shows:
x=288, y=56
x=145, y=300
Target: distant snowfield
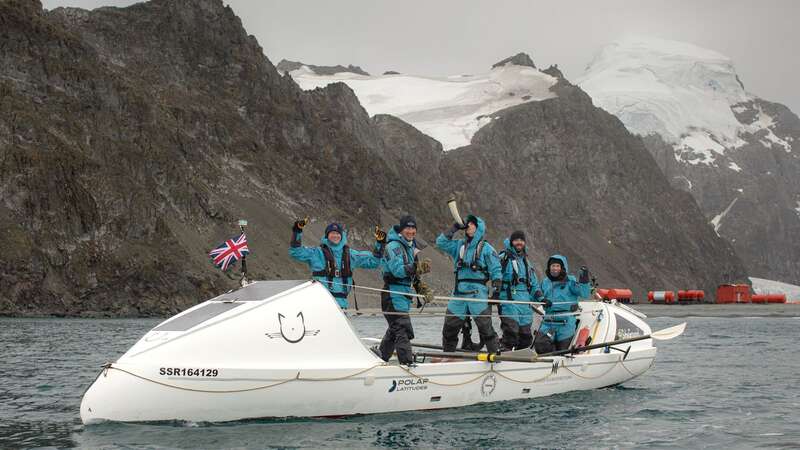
x=450, y=110
x=682, y=92
x=762, y=286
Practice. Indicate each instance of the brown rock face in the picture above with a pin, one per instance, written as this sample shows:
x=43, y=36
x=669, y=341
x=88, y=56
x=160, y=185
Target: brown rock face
x=752, y=191
x=570, y=175
x=132, y=139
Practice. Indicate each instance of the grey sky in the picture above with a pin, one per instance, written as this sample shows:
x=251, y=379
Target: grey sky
x=446, y=37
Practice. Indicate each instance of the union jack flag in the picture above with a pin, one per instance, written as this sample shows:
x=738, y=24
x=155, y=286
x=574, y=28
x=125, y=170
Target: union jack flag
x=229, y=252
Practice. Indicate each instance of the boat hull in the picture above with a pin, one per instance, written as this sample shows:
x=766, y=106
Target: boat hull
x=127, y=394
x=238, y=357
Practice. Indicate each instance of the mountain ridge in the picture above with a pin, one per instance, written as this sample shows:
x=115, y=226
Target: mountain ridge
x=134, y=138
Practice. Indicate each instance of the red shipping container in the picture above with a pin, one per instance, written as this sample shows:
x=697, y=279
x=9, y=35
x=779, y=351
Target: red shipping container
x=733, y=293
x=758, y=298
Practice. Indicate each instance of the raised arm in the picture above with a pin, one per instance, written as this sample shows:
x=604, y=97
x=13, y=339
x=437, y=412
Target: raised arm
x=446, y=243
x=363, y=259
x=581, y=288
x=296, y=249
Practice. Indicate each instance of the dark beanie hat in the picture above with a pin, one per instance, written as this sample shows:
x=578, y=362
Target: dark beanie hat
x=517, y=235
x=333, y=226
x=407, y=221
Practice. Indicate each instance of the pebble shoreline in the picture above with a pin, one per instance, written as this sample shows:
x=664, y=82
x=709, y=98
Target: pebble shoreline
x=724, y=310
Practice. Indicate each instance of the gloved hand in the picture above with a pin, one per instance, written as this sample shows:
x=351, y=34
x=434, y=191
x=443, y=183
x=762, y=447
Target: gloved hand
x=573, y=307
x=424, y=266
x=538, y=294
x=452, y=230
x=548, y=303
x=300, y=224
x=495, y=296
x=584, y=275
x=424, y=290
x=380, y=235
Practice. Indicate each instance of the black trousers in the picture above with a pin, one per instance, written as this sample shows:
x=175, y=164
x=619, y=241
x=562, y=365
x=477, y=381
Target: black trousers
x=515, y=336
x=399, y=333
x=563, y=345
x=452, y=326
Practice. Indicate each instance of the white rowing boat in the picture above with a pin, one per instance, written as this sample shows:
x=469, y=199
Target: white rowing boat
x=284, y=348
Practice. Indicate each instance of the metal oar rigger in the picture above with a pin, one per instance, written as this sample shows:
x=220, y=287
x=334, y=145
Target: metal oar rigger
x=660, y=335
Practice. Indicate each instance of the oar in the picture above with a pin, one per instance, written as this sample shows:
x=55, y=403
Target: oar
x=431, y=346
x=661, y=335
x=487, y=357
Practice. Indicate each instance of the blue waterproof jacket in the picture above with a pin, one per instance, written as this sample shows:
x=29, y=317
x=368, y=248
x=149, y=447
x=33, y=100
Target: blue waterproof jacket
x=471, y=283
x=563, y=293
x=515, y=282
x=315, y=258
x=398, y=268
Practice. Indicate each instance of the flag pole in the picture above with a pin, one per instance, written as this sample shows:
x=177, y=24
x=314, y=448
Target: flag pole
x=243, y=281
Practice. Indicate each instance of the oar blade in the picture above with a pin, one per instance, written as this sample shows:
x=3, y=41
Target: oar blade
x=669, y=333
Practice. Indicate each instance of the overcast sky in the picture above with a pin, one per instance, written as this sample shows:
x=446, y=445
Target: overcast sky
x=446, y=37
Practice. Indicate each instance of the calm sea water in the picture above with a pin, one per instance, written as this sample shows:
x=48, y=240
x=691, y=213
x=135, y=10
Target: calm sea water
x=726, y=383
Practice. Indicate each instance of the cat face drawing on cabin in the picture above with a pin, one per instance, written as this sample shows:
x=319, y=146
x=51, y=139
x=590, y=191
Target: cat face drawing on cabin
x=292, y=328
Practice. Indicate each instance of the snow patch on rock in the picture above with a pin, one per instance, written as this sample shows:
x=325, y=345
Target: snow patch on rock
x=451, y=109
x=716, y=222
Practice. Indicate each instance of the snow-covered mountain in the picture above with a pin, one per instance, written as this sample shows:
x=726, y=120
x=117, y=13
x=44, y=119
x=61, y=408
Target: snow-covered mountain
x=688, y=95
x=448, y=109
x=737, y=154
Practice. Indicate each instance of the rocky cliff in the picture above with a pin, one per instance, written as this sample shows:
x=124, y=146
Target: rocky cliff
x=131, y=140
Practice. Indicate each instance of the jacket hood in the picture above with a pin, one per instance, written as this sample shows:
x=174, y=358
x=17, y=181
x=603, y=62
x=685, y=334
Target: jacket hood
x=510, y=248
x=333, y=246
x=479, y=232
x=559, y=259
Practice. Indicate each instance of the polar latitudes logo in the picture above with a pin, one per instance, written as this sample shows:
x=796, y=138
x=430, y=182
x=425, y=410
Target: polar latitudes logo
x=409, y=384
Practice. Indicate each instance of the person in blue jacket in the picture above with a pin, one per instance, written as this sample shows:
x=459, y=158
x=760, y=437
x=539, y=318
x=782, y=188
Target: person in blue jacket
x=519, y=284
x=401, y=272
x=561, y=294
x=333, y=261
x=476, y=263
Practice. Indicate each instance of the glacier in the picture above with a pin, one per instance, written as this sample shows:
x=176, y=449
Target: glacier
x=450, y=109
x=688, y=95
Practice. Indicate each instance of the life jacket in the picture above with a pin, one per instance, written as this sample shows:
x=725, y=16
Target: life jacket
x=391, y=279
x=331, y=271
x=515, y=278
x=475, y=265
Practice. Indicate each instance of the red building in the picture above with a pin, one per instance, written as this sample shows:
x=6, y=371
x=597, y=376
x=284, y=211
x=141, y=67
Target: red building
x=733, y=293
